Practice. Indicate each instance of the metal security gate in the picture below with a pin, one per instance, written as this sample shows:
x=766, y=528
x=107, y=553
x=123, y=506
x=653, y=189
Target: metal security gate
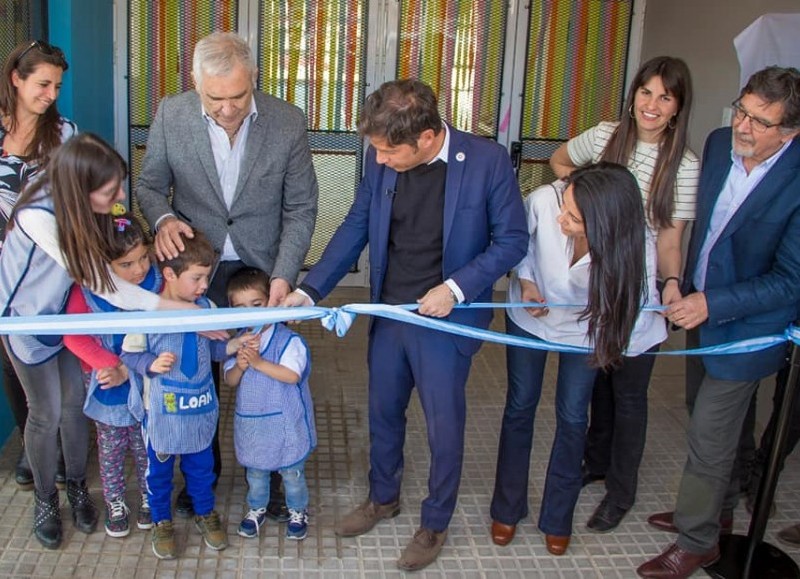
x=313, y=54
x=574, y=77
x=527, y=74
x=457, y=47
x=161, y=38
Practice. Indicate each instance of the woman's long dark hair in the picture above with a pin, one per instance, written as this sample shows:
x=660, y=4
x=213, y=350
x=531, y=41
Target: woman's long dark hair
x=24, y=59
x=678, y=82
x=610, y=202
x=80, y=166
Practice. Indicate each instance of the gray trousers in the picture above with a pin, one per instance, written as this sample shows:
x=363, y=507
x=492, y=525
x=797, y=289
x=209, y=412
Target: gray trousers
x=55, y=394
x=717, y=411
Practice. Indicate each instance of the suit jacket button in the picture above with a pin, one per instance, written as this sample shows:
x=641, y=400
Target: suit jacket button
x=230, y=221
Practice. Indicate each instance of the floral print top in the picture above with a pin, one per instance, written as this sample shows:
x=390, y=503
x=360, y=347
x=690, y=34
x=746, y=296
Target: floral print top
x=16, y=171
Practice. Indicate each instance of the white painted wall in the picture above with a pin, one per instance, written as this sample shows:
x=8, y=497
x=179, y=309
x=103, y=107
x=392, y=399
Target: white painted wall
x=701, y=32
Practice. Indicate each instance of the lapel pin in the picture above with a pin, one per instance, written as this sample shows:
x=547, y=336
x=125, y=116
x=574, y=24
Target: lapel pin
x=460, y=157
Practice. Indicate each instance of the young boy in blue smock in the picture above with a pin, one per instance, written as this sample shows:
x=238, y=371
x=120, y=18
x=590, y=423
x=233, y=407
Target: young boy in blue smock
x=273, y=426
x=179, y=405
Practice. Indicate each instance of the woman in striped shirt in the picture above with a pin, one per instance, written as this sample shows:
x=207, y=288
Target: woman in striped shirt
x=651, y=140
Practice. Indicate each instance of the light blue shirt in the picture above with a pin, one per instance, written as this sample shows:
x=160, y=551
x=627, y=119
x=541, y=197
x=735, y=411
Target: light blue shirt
x=738, y=187
x=228, y=159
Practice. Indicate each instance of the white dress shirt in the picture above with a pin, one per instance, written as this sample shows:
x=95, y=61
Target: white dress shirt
x=548, y=263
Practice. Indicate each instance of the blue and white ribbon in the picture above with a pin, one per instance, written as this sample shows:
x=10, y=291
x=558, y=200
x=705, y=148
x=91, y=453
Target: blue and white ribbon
x=338, y=320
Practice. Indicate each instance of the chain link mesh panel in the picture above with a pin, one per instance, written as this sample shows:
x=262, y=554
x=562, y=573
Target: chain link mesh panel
x=16, y=24
x=312, y=54
x=456, y=46
x=575, y=74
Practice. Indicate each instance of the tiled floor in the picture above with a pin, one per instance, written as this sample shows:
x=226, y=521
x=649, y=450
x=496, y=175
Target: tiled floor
x=337, y=479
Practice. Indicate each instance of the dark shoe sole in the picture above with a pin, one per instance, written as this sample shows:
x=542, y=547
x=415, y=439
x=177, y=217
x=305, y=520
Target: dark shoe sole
x=24, y=485
x=48, y=543
x=87, y=529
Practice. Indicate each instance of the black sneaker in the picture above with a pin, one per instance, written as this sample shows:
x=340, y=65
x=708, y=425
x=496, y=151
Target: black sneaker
x=183, y=505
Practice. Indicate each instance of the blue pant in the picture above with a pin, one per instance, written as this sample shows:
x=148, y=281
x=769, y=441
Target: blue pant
x=401, y=357
x=198, y=472
x=563, y=482
x=294, y=482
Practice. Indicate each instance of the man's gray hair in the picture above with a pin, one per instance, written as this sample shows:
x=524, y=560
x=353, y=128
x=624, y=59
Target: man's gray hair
x=218, y=53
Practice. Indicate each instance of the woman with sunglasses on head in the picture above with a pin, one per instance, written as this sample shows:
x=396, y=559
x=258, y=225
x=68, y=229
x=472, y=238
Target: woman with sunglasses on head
x=31, y=128
x=58, y=234
x=651, y=139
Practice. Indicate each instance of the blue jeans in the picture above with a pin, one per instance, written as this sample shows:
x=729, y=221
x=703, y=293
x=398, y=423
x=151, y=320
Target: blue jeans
x=563, y=481
x=294, y=481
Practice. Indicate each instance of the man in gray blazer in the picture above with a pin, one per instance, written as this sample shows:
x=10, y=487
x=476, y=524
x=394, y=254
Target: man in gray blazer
x=234, y=163
x=238, y=164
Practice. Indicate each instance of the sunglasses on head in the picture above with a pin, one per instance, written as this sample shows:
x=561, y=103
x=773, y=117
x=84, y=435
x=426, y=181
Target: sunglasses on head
x=44, y=48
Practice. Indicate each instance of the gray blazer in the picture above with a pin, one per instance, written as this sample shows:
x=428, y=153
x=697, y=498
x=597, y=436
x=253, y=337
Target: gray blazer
x=274, y=208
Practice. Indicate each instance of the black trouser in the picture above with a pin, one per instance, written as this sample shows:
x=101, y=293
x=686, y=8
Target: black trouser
x=618, y=428
x=14, y=392
x=217, y=293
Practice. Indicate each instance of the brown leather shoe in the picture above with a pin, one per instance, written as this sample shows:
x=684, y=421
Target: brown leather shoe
x=556, y=544
x=664, y=522
x=422, y=550
x=677, y=563
x=502, y=534
x=364, y=517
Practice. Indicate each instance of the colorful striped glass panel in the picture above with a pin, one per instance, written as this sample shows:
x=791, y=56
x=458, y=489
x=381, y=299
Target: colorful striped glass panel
x=575, y=73
x=162, y=36
x=456, y=46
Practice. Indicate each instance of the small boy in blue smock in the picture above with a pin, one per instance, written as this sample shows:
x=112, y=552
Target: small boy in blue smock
x=178, y=403
x=273, y=426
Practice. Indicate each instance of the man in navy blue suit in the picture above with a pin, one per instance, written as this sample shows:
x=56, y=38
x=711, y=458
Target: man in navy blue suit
x=442, y=214
x=742, y=280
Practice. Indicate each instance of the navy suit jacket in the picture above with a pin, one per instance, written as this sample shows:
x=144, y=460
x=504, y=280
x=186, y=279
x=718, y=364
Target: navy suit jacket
x=753, y=276
x=485, y=232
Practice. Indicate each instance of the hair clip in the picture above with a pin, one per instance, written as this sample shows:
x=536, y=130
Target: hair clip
x=122, y=223
x=118, y=210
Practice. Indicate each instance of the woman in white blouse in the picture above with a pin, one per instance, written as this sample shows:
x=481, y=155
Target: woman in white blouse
x=588, y=248
x=651, y=139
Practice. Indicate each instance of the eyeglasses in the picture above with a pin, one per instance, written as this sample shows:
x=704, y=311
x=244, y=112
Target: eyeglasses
x=44, y=48
x=759, y=125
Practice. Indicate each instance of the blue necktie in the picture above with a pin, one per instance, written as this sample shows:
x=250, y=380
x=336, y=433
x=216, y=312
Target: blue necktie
x=189, y=355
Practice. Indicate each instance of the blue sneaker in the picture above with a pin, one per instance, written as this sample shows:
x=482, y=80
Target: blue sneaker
x=297, y=529
x=252, y=523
